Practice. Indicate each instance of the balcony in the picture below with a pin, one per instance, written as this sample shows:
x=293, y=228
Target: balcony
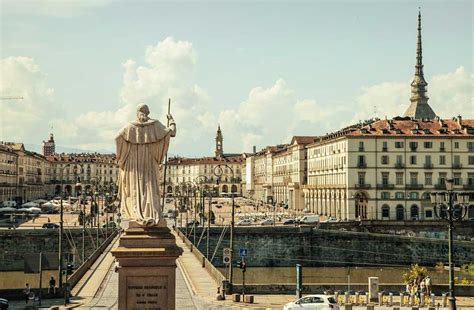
x=362, y=186
x=361, y=165
x=386, y=186
x=414, y=186
x=399, y=165
x=428, y=166
x=457, y=166
x=440, y=186
x=468, y=186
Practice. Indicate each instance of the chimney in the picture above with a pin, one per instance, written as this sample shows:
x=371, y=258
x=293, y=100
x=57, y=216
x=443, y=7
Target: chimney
x=254, y=149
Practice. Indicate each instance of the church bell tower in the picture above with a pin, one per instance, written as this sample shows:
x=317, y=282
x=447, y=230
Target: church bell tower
x=219, y=140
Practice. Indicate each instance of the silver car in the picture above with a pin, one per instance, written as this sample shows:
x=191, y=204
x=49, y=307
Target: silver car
x=313, y=302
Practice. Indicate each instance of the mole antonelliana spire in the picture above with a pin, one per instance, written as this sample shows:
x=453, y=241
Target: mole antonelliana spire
x=419, y=107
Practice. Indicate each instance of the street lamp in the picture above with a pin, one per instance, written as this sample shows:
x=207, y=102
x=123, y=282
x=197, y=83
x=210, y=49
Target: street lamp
x=450, y=206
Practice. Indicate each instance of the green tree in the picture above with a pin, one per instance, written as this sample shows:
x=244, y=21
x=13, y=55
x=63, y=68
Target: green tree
x=415, y=274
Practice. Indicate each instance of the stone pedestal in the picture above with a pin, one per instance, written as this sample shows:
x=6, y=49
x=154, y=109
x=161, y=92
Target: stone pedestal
x=147, y=273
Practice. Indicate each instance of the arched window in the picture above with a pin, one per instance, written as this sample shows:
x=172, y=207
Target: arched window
x=414, y=212
x=234, y=188
x=385, y=212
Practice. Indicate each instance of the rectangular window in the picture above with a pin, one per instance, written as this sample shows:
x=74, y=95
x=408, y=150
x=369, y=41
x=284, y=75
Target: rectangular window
x=361, y=146
x=384, y=146
x=441, y=146
x=399, y=195
x=385, y=160
x=413, y=146
x=399, y=159
x=428, y=159
x=428, y=145
x=457, y=179
x=385, y=195
x=442, y=159
x=413, y=177
x=362, y=178
x=470, y=179
x=398, y=144
x=385, y=212
x=385, y=178
x=470, y=160
x=413, y=159
x=361, y=160
x=428, y=178
x=470, y=146
x=399, y=178
x=456, y=160
x=428, y=213
x=456, y=145
x=442, y=178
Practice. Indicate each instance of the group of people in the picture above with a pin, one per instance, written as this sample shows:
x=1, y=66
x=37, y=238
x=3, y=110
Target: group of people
x=30, y=295
x=418, y=286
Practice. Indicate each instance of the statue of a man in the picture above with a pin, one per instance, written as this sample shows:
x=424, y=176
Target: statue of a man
x=141, y=147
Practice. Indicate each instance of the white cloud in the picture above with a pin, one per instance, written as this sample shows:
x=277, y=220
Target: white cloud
x=450, y=94
x=24, y=118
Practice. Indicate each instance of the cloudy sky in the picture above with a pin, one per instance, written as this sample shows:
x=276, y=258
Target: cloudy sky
x=264, y=70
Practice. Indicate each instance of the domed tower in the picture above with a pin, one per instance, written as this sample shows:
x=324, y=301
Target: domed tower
x=219, y=140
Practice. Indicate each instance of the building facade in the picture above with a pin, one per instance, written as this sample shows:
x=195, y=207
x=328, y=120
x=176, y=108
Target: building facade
x=8, y=173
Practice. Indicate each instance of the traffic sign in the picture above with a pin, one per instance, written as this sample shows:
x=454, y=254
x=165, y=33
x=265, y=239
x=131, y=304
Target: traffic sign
x=226, y=260
x=226, y=252
x=243, y=252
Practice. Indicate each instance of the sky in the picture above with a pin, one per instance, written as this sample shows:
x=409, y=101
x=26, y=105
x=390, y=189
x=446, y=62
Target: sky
x=263, y=70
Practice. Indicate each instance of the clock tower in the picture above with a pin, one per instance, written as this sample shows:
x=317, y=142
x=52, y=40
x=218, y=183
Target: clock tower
x=219, y=139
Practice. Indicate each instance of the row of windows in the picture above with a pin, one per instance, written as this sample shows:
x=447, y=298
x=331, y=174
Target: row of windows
x=385, y=160
x=428, y=178
x=413, y=145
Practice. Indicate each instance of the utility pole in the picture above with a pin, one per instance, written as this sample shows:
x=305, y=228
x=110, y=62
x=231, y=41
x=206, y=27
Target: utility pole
x=209, y=223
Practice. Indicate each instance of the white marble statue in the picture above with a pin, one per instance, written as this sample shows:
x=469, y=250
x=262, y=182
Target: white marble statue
x=141, y=147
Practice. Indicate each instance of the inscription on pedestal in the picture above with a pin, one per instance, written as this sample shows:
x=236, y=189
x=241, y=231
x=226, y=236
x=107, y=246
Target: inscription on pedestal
x=147, y=293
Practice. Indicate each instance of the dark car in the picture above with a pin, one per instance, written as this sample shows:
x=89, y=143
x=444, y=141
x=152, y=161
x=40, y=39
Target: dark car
x=290, y=222
x=50, y=225
x=3, y=303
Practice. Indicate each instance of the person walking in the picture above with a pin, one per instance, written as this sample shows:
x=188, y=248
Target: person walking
x=27, y=291
x=52, y=286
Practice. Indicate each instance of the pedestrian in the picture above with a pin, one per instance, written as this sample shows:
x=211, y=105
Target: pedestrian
x=27, y=292
x=117, y=265
x=52, y=286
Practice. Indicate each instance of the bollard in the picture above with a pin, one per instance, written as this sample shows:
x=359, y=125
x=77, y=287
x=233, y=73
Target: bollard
x=248, y=299
x=357, y=298
x=445, y=300
x=432, y=300
x=380, y=296
x=336, y=296
x=346, y=297
x=402, y=298
x=422, y=299
x=367, y=298
x=390, y=299
x=236, y=297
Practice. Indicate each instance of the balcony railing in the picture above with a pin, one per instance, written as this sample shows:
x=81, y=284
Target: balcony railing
x=440, y=186
x=414, y=186
x=468, y=186
x=399, y=165
x=428, y=166
x=363, y=186
x=386, y=186
x=457, y=166
x=361, y=165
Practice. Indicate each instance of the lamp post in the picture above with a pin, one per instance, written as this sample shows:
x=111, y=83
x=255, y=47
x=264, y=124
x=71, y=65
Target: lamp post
x=218, y=171
x=450, y=206
x=61, y=230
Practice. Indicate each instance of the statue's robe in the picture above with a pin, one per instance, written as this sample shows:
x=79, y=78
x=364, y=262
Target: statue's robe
x=141, y=148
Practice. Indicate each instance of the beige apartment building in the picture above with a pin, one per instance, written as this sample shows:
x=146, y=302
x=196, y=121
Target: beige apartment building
x=194, y=171
x=385, y=169
x=8, y=173
x=82, y=171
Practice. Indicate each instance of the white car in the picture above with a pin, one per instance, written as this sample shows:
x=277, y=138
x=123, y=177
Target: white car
x=266, y=222
x=244, y=223
x=313, y=302
x=310, y=219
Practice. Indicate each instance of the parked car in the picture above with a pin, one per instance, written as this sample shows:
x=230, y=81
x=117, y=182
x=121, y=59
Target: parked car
x=191, y=224
x=245, y=222
x=50, y=226
x=313, y=302
x=290, y=222
x=266, y=222
x=9, y=203
x=310, y=219
x=3, y=303
x=110, y=225
x=332, y=219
